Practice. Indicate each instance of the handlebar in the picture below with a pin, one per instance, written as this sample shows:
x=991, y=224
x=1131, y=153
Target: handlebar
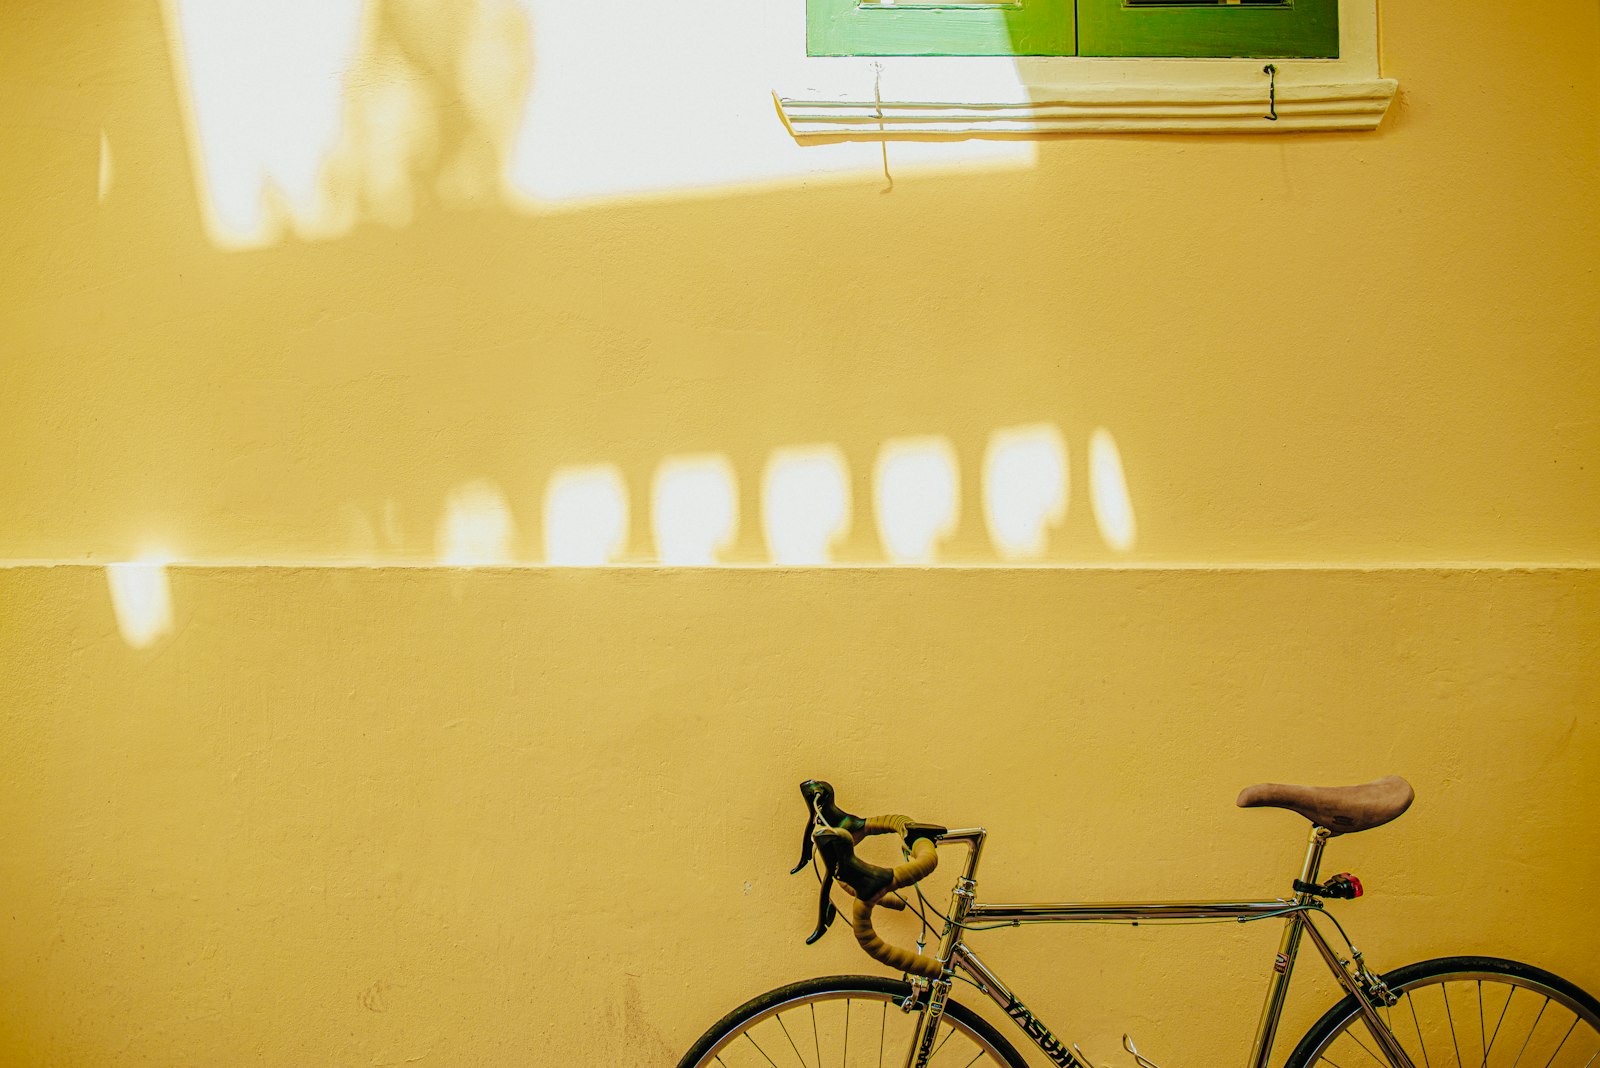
x=835, y=833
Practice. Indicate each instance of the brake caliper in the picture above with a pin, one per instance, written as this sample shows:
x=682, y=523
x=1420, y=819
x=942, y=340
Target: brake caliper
x=1372, y=986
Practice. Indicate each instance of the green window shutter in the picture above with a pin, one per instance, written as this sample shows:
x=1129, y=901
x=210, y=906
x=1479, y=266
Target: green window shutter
x=1264, y=29
x=1017, y=28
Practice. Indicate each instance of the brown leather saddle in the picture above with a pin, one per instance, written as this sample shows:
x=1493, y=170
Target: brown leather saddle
x=1341, y=809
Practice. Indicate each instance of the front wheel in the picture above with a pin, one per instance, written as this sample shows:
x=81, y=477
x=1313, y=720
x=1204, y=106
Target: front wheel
x=1460, y=1011
x=853, y=1021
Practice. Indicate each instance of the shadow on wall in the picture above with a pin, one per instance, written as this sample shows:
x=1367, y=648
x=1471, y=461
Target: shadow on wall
x=433, y=98
x=372, y=352
x=309, y=117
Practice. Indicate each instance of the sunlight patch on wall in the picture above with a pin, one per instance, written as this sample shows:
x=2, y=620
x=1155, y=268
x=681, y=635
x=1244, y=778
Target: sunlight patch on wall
x=694, y=512
x=1025, y=489
x=805, y=503
x=308, y=117
x=916, y=497
x=141, y=600
x=1108, y=492
x=476, y=528
x=264, y=86
x=669, y=97
x=108, y=170
x=694, y=509
x=585, y=516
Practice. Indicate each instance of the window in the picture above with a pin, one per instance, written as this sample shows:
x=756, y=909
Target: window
x=1274, y=29
x=915, y=69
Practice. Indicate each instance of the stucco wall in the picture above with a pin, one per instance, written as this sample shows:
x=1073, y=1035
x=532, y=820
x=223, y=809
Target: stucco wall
x=352, y=810
x=1341, y=348
x=346, y=817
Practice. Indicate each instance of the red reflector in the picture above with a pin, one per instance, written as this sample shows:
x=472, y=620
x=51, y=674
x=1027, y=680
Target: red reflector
x=1355, y=884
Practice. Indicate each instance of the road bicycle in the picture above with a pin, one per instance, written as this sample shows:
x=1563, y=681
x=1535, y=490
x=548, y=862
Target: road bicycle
x=1455, y=1011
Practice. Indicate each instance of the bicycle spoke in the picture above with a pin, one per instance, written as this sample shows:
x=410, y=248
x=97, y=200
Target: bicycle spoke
x=839, y=1040
x=1483, y=1034
x=1444, y=992
x=1351, y=1034
x=1531, y=1030
x=1563, y=1042
x=759, y=1050
x=792, y=1046
x=1412, y=1005
x=1497, y=1023
x=1572, y=1044
x=1342, y=1039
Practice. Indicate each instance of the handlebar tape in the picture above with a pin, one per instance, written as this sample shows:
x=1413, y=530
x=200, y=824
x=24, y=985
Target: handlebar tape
x=924, y=859
x=901, y=960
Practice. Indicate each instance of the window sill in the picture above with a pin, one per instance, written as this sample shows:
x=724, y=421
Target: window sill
x=861, y=99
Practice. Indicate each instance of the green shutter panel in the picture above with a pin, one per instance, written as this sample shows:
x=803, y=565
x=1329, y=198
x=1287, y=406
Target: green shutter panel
x=1264, y=29
x=1018, y=28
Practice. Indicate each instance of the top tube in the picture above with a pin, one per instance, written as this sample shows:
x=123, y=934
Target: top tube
x=1101, y=911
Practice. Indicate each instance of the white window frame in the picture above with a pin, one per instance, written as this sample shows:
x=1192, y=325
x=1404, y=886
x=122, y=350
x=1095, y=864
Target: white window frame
x=890, y=97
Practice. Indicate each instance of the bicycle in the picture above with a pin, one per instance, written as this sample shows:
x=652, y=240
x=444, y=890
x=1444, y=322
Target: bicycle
x=1449, y=1010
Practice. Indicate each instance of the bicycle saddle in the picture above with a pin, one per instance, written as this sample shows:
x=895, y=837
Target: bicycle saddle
x=1341, y=809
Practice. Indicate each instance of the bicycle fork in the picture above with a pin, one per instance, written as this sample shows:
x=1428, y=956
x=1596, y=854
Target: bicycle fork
x=961, y=899
x=923, y=1046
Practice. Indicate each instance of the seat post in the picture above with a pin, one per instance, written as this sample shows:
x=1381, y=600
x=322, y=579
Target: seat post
x=1319, y=838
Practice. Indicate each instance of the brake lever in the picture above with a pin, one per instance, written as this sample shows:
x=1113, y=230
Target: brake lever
x=825, y=910
x=865, y=881
x=819, y=799
x=862, y=879
x=806, y=847
x=839, y=830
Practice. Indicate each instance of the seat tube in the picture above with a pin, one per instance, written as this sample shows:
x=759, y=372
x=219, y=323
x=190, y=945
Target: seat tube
x=1288, y=948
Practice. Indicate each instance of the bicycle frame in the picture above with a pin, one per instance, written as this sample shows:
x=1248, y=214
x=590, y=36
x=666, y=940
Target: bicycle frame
x=954, y=954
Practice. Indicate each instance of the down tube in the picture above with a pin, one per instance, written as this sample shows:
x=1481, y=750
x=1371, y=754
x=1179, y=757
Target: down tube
x=1058, y=1051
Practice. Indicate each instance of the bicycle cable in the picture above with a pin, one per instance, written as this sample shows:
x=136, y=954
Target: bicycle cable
x=922, y=917
x=1001, y=925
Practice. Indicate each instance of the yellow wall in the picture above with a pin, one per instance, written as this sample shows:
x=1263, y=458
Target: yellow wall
x=1333, y=348
x=360, y=813
x=353, y=817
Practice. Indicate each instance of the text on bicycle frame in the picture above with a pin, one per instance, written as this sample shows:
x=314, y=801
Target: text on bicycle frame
x=1041, y=1035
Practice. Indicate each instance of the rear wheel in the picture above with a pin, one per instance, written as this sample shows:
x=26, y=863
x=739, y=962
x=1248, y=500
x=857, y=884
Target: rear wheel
x=1459, y=1011
x=849, y=1021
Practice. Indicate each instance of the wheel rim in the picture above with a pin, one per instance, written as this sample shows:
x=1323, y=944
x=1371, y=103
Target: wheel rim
x=1481, y=1019
x=844, y=1029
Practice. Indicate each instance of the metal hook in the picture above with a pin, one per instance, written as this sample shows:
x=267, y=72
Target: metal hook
x=1082, y=1056
x=1127, y=1044
x=1271, y=72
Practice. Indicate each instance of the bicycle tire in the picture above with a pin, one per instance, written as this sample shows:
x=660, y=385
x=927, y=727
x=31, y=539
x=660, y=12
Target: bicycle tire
x=1456, y=1011
x=871, y=1003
